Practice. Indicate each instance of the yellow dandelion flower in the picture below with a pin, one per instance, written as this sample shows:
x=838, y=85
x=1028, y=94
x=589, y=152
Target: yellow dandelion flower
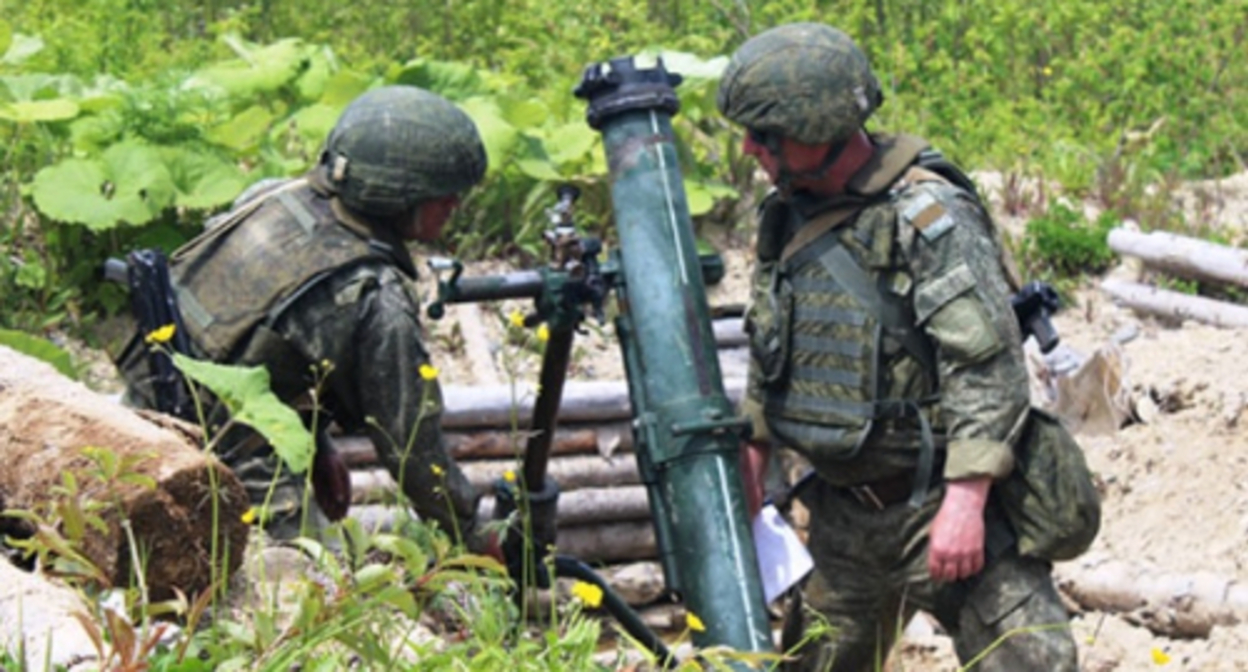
x=428, y=372
x=509, y=476
x=543, y=333
x=1048, y=71
x=587, y=593
x=1160, y=657
x=161, y=335
x=694, y=623
x=517, y=319
x=437, y=471
x=250, y=516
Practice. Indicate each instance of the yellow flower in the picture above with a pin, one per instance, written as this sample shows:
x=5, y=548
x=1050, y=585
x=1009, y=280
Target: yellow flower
x=1160, y=657
x=250, y=516
x=509, y=476
x=428, y=372
x=517, y=319
x=588, y=593
x=162, y=335
x=437, y=471
x=694, y=623
x=1048, y=71
x=543, y=333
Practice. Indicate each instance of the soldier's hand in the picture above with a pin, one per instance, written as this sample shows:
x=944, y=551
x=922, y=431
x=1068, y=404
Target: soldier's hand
x=956, y=541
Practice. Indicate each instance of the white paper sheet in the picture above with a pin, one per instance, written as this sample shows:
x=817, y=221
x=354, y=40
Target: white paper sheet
x=782, y=557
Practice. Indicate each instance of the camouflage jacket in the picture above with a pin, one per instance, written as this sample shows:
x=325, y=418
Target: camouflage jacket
x=359, y=321
x=933, y=246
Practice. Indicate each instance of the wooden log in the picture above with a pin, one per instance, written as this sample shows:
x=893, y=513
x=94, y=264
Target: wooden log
x=1173, y=305
x=604, y=439
x=600, y=543
x=611, y=542
x=572, y=473
x=46, y=422
x=576, y=507
x=497, y=406
x=1182, y=255
x=1168, y=604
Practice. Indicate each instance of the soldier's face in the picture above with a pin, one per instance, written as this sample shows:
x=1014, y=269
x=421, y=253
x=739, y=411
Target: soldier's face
x=431, y=216
x=795, y=156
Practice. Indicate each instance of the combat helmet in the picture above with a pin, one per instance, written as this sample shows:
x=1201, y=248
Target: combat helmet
x=805, y=81
x=396, y=146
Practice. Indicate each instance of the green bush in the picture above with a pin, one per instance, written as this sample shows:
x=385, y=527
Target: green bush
x=1062, y=243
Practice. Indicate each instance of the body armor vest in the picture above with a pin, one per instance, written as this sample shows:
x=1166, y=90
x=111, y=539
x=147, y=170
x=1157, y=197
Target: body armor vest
x=247, y=270
x=826, y=356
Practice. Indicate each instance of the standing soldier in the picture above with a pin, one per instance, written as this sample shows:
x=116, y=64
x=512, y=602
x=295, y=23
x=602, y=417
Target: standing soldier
x=311, y=278
x=884, y=349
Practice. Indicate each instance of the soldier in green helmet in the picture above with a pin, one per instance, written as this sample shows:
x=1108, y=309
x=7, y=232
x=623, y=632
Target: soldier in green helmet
x=311, y=278
x=884, y=350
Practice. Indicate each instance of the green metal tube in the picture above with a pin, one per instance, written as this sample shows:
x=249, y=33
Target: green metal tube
x=674, y=361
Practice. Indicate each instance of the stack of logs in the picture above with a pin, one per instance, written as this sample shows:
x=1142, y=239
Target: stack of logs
x=1184, y=257
x=603, y=516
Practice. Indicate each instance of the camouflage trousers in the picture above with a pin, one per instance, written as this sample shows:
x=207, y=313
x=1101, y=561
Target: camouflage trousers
x=284, y=517
x=871, y=577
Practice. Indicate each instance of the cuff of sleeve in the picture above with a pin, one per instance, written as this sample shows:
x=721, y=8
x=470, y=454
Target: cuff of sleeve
x=753, y=409
x=976, y=458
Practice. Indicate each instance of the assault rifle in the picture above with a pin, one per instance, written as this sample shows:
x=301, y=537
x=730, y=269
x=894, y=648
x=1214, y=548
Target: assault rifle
x=155, y=308
x=1033, y=305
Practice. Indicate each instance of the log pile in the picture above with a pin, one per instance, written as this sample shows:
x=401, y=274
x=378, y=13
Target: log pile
x=1185, y=257
x=604, y=514
x=46, y=424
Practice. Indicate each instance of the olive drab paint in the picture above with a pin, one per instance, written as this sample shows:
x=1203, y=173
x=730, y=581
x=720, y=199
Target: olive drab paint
x=686, y=432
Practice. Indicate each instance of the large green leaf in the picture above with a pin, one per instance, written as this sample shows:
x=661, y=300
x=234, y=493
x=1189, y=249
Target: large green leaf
x=203, y=180
x=569, y=143
x=21, y=47
x=38, y=348
x=499, y=136
x=690, y=66
x=31, y=111
x=701, y=195
x=525, y=114
x=345, y=86
x=246, y=392
x=128, y=183
x=244, y=130
x=6, y=36
x=314, y=122
x=317, y=73
x=258, y=70
x=456, y=81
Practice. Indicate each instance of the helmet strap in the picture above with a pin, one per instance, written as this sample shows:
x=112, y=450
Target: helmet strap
x=786, y=176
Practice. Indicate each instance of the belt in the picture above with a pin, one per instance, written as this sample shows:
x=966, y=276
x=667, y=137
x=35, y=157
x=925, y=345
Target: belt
x=881, y=494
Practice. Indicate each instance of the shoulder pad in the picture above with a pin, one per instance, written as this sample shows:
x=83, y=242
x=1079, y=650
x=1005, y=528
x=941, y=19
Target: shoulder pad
x=924, y=207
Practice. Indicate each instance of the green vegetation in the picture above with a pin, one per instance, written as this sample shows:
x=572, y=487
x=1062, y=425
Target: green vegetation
x=126, y=122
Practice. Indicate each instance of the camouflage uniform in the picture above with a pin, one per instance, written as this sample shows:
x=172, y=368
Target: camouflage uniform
x=853, y=393
x=294, y=280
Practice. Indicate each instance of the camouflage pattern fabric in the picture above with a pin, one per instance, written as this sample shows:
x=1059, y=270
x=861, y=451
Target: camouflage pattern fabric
x=361, y=323
x=932, y=245
x=804, y=81
x=396, y=146
x=871, y=577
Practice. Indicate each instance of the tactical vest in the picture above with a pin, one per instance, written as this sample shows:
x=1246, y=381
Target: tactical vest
x=243, y=273
x=829, y=312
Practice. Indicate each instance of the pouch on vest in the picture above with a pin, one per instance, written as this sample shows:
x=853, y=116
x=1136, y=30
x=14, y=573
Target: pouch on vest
x=1050, y=498
x=767, y=323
